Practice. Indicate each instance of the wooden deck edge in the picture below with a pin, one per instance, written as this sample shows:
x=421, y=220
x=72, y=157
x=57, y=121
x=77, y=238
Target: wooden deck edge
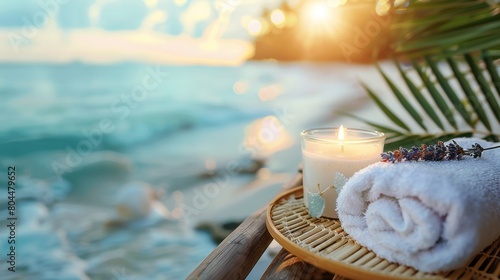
x=236, y=255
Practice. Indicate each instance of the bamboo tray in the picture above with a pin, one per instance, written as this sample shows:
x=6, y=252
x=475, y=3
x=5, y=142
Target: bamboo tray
x=323, y=243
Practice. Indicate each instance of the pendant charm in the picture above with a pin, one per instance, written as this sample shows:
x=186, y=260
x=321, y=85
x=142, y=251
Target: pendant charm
x=315, y=204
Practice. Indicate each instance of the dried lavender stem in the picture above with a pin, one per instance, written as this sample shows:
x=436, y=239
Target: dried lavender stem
x=491, y=148
x=439, y=152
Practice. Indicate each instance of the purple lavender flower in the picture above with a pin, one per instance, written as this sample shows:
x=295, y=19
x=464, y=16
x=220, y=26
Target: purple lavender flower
x=412, y=154
x=438, y=152
x=404, y=152
x=389, y=156
x=477, y=150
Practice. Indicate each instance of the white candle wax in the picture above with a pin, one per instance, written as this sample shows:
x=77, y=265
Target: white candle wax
x=326, y=157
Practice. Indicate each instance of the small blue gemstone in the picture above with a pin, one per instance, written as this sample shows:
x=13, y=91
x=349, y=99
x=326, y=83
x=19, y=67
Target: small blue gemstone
x=315, y=204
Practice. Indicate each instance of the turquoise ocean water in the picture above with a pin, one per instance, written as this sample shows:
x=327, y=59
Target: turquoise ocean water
x=77, y=132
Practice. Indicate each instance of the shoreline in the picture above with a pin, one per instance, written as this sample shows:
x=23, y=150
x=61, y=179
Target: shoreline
x=267, y=114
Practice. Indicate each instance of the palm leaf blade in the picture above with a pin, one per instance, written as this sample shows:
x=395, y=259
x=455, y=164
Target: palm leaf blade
x=385, y=109
x=449, y=91
x=379, y=127
x=405, y=141
x=471, y=96
x=492, y=138
x=492, y=40
x=436, y=96
x=420, y=98
x=483, y=84
x=453, y=37
x=417, y=139
x=492, y=70
x=409, y=108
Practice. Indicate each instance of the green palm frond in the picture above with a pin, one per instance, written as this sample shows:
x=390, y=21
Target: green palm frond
x=455, y=26
x=488, y=60
x=450, y=51
x=431, y=101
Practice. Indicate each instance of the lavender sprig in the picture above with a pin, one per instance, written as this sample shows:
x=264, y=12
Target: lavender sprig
x=439, y=152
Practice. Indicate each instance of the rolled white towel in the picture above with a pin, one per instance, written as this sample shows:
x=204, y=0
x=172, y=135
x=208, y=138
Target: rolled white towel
x=433, y=216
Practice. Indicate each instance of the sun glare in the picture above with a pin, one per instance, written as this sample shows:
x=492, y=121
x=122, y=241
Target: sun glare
x=317, y=20
x=317, y=11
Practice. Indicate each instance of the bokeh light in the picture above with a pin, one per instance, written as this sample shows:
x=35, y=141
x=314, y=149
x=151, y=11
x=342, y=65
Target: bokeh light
x=180, y=3
x=278, y=18
x=240, y=87
x=336, y=3
x=151, y=3
x=255, y=27
x=382, y=7
x=270, y=92
x=210, y=164
x=266, y=136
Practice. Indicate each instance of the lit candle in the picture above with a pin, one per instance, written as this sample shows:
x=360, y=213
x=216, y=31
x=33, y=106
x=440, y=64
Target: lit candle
x=329, y=157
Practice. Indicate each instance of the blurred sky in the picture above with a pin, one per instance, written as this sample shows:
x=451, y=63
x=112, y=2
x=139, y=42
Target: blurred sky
x=104, y=31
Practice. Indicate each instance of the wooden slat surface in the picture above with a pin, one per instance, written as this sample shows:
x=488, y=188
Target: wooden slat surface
x=287, y=266
x=236, y=255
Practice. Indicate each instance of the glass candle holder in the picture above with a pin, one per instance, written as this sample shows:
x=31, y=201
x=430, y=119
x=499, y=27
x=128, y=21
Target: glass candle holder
x=330, y=156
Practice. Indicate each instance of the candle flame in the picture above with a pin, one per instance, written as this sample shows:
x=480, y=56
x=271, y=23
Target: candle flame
x=341, y=132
